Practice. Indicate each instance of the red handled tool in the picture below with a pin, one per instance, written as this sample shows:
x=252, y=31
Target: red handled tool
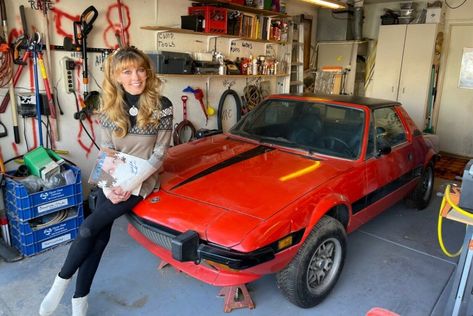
x=199, y=95
x=178, y=134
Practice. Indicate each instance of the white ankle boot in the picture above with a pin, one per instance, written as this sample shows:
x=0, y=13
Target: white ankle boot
x=52, y=299
x=79, y=306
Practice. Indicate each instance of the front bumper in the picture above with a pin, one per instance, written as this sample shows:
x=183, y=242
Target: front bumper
x=188, y=247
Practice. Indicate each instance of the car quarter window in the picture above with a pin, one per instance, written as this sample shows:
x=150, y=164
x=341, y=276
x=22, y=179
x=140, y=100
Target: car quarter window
x=370, y=150
x=388, y=127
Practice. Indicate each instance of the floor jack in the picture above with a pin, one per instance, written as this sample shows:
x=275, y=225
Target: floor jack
x=236, y=296
x=457, y=205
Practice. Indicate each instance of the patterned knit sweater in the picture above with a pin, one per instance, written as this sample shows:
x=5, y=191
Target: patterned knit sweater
x=150, y=142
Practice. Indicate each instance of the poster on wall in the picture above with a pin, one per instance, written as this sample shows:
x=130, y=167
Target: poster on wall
x=466, y=69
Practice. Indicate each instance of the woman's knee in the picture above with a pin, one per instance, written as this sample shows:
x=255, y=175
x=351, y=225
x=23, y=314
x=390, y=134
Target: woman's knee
x=85, y=232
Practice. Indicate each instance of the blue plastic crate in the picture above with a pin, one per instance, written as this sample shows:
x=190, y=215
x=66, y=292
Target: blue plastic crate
x=35, y=248
x=43, y=209
x=28, y=234
x=28, y=206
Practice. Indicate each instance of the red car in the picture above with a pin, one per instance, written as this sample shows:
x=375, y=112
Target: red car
x=280, y=191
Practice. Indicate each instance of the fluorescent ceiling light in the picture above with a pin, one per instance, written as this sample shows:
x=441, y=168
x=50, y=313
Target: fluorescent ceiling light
x=332, y=4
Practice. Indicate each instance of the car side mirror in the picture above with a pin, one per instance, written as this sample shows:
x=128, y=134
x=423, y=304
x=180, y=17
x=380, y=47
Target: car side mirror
x=384, y=150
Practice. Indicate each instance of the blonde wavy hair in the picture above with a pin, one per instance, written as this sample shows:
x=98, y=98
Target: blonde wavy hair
x=113, y=102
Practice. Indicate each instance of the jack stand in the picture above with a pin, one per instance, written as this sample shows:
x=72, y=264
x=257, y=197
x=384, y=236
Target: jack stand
x=163, y=264
x=236, y=296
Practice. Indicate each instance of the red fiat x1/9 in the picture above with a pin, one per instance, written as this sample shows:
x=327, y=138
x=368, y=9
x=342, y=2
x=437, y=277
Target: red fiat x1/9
x=280, y=191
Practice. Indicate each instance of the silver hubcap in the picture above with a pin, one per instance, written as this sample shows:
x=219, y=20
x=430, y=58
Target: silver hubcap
x=323, y=265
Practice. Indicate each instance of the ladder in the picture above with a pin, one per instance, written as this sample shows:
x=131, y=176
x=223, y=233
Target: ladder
x=296, y=38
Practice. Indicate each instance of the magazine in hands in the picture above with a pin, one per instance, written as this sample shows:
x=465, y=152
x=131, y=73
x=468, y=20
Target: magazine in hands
x=116, y=169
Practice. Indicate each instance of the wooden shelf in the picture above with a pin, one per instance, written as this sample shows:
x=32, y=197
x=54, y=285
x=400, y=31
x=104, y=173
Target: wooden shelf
x=219, y=76
x=184, y=31
x=229, y=5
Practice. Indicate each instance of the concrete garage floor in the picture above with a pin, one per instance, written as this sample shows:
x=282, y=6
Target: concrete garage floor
x=393, y=262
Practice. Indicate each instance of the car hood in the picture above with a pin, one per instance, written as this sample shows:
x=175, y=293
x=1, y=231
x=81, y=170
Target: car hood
x=242, y=177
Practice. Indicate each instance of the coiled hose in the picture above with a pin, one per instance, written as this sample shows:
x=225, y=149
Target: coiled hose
x=235, y=96
x=446, y=199
x=177, y=136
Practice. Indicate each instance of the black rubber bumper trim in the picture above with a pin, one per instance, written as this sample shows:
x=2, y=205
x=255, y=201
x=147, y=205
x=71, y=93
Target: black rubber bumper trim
x=231, y=258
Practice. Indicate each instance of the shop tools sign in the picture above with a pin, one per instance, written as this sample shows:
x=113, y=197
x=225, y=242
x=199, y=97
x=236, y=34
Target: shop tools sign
x=466, y=69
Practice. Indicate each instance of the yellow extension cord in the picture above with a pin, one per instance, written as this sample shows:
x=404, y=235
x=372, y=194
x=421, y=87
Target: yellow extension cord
x=446, y=199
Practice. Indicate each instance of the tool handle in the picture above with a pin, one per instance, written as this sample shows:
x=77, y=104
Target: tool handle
x=87, y=25
x=202, y=105
x=16, y=132
x=4, y=104
x=3, y=10
x=3, y=133
x=23, y=21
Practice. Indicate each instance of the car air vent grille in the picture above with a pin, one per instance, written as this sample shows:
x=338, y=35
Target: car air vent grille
x=154, y=234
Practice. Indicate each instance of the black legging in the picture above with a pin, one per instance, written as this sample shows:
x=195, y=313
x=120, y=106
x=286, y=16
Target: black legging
x=94, y=234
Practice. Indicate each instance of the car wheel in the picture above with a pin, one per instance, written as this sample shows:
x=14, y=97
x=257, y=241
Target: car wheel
x=420, y=197
x=315, y=269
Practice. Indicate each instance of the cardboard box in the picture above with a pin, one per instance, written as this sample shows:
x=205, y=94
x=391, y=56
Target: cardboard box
x=433, y=15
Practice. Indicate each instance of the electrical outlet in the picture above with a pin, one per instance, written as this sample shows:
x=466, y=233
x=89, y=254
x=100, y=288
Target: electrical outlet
x=68, y=65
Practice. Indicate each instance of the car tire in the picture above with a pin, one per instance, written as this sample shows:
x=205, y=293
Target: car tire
x=315, y=269
x=420, y=197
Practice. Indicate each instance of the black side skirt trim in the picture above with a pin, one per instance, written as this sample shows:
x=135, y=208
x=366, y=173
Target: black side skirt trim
x=378, y=194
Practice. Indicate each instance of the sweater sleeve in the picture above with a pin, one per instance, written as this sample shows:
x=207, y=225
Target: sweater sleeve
x=163, y=138
x=105, y=133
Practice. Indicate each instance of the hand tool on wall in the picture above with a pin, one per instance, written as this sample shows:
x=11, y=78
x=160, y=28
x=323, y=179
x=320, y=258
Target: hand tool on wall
x=178, y=135
x=45, y=63
x=199, y=95
x=34, y=49
x=123, y=41
x=49, y=96
x=16, y=132
x=82, y=29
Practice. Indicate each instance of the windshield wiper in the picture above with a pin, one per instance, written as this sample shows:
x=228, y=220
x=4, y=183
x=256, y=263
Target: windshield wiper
x=285, y=142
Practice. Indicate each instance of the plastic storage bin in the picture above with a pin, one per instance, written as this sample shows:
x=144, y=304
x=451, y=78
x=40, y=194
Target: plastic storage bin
x=215, y=19
x=27, y=206
x=30, y=240
x=35, y=248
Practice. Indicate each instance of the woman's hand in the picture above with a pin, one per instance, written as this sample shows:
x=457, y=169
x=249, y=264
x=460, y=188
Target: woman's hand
x=117, y=195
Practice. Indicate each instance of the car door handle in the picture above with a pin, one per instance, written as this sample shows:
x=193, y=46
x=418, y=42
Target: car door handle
x=409, y=156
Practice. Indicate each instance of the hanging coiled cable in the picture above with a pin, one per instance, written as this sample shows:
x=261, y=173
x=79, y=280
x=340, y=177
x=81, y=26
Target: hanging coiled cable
x=5, y=63
x=253, y=96
x=221, y=103
x=179, y=132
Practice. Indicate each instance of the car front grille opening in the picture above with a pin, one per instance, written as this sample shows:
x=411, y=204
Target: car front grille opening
x=155, y=235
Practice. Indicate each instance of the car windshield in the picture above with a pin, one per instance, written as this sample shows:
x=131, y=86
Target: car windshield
x=316, y=127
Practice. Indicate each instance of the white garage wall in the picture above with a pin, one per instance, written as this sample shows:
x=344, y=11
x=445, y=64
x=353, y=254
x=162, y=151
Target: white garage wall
x=141, y=13
x=452, y=111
